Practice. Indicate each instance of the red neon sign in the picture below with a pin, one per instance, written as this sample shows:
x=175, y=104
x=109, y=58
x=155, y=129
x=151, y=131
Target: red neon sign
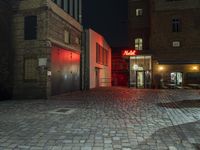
x=129, y=52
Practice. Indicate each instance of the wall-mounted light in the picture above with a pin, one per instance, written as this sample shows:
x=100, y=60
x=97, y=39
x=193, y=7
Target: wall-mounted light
x=160, y=68
x=195, y=68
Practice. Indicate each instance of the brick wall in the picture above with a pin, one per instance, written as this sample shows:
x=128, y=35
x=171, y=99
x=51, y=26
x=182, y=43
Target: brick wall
x=162, y=35
x=51, y=23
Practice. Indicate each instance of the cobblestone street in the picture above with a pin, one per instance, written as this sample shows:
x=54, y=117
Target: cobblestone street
x=104, y=119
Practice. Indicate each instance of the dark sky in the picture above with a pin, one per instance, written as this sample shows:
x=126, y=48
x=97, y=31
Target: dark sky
x=107, y=17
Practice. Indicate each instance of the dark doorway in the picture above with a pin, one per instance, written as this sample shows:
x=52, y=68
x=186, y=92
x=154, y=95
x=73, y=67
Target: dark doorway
x=97, y=76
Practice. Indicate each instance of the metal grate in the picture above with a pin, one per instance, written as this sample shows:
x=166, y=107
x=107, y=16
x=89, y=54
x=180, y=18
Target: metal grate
x=63, y=111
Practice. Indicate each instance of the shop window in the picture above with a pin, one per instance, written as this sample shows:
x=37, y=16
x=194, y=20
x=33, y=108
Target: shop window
x=30, y=27
x=176, y=78
x=30, y=69
x=138, y=44
x=192, y=77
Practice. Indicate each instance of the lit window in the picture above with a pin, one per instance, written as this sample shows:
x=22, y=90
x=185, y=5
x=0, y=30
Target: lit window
x=139, y=12
x=176, y=25
x=138, y=44
x=30, y=69
x=66, y=37
x=176, y=43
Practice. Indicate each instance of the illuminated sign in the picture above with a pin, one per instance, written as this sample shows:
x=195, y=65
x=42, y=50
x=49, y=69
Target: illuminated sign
x=129, y=52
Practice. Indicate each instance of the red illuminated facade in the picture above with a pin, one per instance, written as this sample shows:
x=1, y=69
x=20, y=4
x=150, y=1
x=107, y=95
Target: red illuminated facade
x=131, y=68
x=120, y=71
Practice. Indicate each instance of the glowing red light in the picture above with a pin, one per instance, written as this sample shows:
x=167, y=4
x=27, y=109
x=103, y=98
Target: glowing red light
x=129, y=52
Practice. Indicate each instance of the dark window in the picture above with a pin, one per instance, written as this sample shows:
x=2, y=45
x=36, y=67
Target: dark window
x=97, y=53
x=55, y=1
x=30, y=27
x=101, y=55
x=176, y=25
x=62, y=4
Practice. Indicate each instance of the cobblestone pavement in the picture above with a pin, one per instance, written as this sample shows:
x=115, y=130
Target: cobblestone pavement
x=104, y=119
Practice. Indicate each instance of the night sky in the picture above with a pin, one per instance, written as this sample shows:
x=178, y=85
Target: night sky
x=107, y=17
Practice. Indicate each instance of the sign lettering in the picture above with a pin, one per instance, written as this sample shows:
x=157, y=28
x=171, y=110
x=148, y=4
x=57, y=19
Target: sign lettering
x=129, y=52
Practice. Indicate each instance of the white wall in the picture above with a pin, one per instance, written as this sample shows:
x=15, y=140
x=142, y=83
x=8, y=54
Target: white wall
x=105, y=71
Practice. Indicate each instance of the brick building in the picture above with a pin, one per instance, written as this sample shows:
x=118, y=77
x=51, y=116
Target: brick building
x=167, y=33
x=46, y=39
x=175, y=41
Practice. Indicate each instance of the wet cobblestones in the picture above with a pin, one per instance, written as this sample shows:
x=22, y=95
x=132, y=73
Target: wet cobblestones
x=103, y=119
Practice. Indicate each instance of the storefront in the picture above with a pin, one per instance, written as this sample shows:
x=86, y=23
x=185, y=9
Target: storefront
x=177, y=75
x=139, y=67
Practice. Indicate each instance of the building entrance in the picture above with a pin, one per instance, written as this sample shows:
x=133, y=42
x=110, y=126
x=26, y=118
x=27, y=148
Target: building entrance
x=176, y=78
x=140, y=78
x=140, y=71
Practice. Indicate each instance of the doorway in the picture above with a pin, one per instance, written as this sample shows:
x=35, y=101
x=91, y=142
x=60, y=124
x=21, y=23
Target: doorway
x=97, y=76
x=176, y=78
x=140, y=78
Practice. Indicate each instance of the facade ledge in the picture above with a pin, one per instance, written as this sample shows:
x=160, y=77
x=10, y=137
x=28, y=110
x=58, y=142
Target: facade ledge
x=52, y=6
x=62, y=45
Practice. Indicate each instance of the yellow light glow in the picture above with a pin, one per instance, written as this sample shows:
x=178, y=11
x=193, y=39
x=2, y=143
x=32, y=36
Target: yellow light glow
x=195, y=68
x=161, y=68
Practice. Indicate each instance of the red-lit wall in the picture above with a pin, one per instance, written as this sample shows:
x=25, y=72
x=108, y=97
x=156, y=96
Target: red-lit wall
x=119, y=69
x=65, y=71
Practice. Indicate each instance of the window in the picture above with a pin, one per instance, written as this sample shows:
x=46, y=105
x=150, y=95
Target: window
x=97, y=53
x=101, y=55
x=105, y=57
x=55, y=1
x=176, y=25
x=66, y=6
x=66, y=37
x=59, y=2
x=139, y=12
x=138, y=44
x=30, y=66
x=30, y=27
